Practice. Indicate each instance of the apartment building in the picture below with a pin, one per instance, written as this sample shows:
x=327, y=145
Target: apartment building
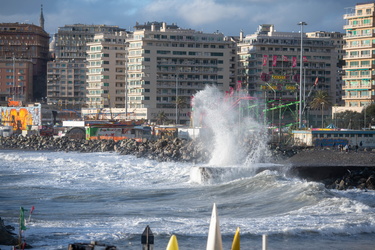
x=66, y=74
x=16, y=79
x=359, y=67
x=269, y=67
x=339, y=42
x=106, y=67
x=23, y=61
x=167, y=65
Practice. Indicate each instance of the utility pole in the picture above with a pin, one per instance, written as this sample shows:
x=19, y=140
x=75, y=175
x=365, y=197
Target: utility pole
x=300, y=75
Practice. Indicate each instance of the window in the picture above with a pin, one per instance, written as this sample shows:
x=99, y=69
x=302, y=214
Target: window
x=179, y=52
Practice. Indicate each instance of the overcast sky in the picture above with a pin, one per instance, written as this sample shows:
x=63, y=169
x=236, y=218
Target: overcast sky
x=226, y=16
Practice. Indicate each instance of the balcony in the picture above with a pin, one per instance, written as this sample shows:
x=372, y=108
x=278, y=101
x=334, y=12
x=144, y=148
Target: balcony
x=357, y=15
x=358, y=97
x=359, y=67
x=359, y=46
x=356, y=77
x=356, y=26
x=351, y=36
x=359, y=86
x=367, y=56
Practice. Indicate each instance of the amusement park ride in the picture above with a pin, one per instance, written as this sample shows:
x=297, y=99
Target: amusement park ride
x=259, y=106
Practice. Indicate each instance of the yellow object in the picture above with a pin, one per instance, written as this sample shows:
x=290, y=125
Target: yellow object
x=173, y=244
x=236, y=240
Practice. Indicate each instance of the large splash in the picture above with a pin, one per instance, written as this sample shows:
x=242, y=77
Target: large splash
x=233, y=135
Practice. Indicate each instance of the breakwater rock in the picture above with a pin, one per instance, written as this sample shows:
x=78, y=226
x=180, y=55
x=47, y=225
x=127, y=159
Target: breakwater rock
x=7, y=237
x=336, y=169
x=160, y=149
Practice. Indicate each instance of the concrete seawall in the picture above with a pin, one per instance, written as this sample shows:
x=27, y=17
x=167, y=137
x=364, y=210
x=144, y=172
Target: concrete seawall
x=338, y=170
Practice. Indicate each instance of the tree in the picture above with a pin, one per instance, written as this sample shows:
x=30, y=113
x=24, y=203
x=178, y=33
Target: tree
x=368, y=114
x=161, y=118
x=181, y=103
x=349, y=120
x=320, y=100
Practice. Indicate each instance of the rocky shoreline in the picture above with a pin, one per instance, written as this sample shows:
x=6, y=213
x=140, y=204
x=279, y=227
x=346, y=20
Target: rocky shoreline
x=336, y=169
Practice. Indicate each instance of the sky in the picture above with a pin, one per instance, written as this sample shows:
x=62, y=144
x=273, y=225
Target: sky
x=225, y=16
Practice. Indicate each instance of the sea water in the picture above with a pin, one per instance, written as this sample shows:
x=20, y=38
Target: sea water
x=111, y=198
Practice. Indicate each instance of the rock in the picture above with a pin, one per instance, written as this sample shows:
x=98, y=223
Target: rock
x=370, y=182
x=6, y=237
x=341, y=185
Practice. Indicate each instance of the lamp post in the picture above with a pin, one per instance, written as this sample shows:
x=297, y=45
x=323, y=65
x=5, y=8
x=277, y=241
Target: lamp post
x=14, y=77
x=176, y=99
x=126, y=80
x=300, y=75
x=322, y=113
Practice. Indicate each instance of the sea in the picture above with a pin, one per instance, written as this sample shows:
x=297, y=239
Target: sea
x=111, y=198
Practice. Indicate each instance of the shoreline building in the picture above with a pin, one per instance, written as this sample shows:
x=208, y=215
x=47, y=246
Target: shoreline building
x=23, y=61
x=167, y=65
x=106, y=65
x=359, y=69
x=269, y=68
x=339, y=42
x=66, y=74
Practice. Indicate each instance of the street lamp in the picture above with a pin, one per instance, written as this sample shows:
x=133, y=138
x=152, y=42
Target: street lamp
x=176, y=99
x=300, y=75
x=322, y=113
x=14, y=77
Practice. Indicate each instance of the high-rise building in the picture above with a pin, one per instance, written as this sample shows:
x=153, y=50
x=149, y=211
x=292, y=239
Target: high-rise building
x=106, y=66
x=23, y=61
x=269, y=67
x=339, y=42
x=167, y=65
x=66, y=74
x=359, y=69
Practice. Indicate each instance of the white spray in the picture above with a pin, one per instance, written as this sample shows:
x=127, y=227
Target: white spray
x=236, y=139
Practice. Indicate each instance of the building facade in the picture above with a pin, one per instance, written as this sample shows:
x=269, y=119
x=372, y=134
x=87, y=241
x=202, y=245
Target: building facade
x=66, y=74
x=106, y=66
x=167, y=65
x=269, y=68
x=359, y=67
x=338, y=40
x=23, y=61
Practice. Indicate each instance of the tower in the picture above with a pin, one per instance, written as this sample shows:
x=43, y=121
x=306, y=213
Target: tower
x=41, y=18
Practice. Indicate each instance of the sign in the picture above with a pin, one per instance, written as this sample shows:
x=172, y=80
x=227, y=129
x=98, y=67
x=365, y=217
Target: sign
x=278, y=77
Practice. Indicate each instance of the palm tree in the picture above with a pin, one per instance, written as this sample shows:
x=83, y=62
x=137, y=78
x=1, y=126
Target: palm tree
x=161, y=118
x=181, y=103
x=321, y=100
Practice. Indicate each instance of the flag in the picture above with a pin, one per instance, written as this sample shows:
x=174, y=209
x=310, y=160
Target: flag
x=239, y=86
x=22, y=219
x=265, y=59
x=285, y=58
x=294, y=63
x=316, y=81
x=31, y=211
x=304, y=59
x=274, y=61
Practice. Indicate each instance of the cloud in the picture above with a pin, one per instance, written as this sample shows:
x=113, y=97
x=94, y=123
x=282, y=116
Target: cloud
x=195, y=12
